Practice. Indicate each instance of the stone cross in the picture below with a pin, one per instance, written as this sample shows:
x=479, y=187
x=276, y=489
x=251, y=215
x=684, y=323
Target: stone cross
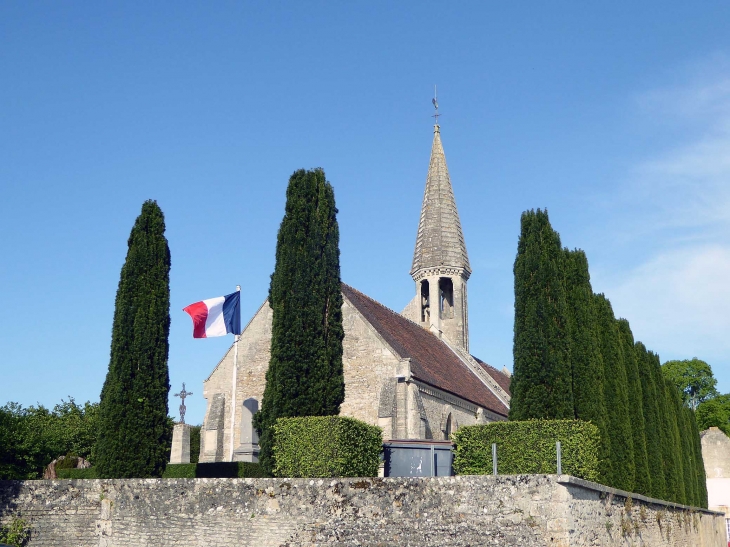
x=182, y=396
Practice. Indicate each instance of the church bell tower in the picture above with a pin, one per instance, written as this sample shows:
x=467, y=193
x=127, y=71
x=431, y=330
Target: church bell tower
x=440, y=262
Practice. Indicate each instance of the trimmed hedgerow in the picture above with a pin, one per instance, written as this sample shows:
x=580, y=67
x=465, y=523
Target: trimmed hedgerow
x=87, y=473
x=179, y=471
x=326, y=446
x=528, y=447
x=217, y=470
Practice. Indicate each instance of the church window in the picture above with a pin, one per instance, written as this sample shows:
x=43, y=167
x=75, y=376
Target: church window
x=446, y=298
x=425, y=311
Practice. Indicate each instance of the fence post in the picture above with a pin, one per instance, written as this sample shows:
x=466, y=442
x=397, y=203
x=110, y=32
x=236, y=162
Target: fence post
x=494, y=458
x=559, y=453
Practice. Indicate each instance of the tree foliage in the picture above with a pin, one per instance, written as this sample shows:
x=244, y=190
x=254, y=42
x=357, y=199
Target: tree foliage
x=32, y=437
x=134, y=432
x=541, y=384
x=715, y=412
x=694, y=378
x=572, y=352
x=646, y=361
x=616, y=390
x=642, y=484
x=305, y=375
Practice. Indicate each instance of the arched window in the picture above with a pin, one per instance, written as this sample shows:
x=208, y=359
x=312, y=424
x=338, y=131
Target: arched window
x=446, y=298
x=425, y=304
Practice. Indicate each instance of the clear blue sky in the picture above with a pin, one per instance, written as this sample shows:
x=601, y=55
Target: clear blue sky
x=614, y=116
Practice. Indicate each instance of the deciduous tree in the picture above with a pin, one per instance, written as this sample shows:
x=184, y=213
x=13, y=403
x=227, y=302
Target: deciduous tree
x=694, y=378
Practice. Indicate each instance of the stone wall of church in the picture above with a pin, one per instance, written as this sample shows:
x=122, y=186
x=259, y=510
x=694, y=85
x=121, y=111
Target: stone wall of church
x=439, y=406
x=535, y=510
x=254, y=351
x=367, y=363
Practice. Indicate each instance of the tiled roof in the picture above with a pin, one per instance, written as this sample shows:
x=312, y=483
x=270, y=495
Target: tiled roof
x=432, y=361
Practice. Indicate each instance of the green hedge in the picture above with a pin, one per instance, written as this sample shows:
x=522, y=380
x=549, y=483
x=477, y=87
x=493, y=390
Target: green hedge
x=326, y=446
x=88, y=473
x=184, y=471
x=528, y=447
x=217, y=470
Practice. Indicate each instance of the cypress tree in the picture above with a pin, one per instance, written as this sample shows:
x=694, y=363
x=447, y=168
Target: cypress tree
x=541, y=382
x=589, y=402
x=134, y=429
x=690, y=471
x=652, y=423
x=669, y=451
x=642, y=483
x=674, y=405
x=305, y=376
x=617, y=397
x=699, y=467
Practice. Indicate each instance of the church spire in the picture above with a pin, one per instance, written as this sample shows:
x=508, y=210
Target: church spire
x=440, y=262
x=440, y=240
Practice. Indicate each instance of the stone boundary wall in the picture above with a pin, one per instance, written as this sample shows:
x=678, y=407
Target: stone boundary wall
x=526, y=510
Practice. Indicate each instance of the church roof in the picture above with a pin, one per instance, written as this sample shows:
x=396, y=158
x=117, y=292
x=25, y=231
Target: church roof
x=432, y=361
x=440, y=240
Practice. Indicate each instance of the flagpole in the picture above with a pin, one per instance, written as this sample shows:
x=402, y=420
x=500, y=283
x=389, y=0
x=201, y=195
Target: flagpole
x=233, y=386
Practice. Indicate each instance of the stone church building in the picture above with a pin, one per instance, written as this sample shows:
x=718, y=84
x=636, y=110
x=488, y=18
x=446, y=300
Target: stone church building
x=411, y=373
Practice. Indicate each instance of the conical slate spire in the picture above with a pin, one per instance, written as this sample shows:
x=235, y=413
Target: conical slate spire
x=440, y=241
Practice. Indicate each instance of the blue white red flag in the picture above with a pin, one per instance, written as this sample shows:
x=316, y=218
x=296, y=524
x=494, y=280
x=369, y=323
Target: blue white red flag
x=216, y=316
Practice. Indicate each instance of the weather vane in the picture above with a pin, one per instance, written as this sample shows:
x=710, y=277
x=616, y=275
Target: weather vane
x=435, y=105
x=182, y=396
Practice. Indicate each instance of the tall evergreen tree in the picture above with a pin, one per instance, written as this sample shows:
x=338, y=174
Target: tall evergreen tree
x=699, y=467
x=305, y=376
x=674, y=405
x=668, y=446
x=541, y=382
x=690, y=471
x=642, y=483
x=134, y=429
x=589, y=402
x=617, y=397
x=652, y=422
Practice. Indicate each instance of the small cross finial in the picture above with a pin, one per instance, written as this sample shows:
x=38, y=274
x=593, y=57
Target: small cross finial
x=435, y=105
x=182, y=396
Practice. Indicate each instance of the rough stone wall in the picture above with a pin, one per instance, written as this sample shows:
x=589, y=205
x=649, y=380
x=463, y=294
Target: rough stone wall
x=367, y=362
x=439, y=405
x=254, y=352
x=529, y=510
x=716, y=456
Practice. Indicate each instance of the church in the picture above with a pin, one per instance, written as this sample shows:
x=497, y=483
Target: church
x=410, y=373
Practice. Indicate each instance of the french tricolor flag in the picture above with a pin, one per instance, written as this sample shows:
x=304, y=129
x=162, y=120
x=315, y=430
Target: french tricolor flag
x=216, y=316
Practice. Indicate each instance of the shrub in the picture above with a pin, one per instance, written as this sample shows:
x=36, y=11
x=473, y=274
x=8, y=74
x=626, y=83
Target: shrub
x=179, y=471
x=17, y=533
x=68, y=461
x=528, y=447
x=326, y=446
x=88, y=473
x=217, y=470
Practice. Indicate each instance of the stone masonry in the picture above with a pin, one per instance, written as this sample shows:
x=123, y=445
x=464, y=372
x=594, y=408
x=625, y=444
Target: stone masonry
x=473, y=511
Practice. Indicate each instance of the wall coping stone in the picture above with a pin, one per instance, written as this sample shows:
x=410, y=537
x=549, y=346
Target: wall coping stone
x=589, y=485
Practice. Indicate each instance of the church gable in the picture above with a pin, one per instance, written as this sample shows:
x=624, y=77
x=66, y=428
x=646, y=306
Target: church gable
x=431, y=360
